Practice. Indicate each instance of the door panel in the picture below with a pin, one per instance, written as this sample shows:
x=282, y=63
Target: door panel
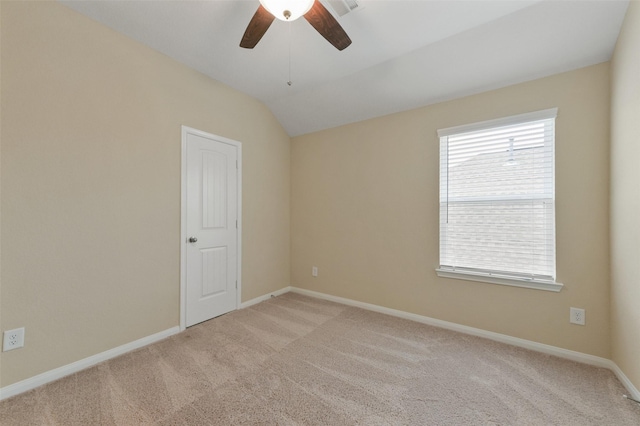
x=214, y=189
x=214, y=271
x=212, y=253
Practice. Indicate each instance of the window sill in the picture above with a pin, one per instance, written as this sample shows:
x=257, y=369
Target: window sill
x=525, y=283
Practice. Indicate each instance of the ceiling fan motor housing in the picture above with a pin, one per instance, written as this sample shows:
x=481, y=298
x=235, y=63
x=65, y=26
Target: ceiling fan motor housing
x=287, y=10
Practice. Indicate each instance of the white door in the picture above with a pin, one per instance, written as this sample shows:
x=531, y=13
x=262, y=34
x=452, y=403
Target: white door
x=211, y=238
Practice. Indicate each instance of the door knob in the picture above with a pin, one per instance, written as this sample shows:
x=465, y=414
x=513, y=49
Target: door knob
x=193, y=239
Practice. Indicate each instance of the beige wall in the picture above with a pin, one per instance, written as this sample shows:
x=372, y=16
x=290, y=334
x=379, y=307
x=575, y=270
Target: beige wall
x=91, y=185
x=365, y=212
x=625, y=197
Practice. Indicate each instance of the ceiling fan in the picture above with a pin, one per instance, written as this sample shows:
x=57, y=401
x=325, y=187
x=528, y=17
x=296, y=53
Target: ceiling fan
x=289, y=10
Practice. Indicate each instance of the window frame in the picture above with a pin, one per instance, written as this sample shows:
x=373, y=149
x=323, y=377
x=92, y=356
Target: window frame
x=496, y=277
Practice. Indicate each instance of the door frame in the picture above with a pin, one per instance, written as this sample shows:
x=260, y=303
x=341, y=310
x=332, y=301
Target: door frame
x=183, y=218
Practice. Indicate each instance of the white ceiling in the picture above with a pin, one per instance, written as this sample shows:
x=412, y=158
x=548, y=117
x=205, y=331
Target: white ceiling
x=405, y=54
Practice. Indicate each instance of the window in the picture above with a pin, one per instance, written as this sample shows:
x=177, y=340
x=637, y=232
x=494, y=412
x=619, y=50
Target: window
x=497, y=201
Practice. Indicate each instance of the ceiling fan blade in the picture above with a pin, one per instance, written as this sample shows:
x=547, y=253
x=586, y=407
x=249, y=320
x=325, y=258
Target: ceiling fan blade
x=324, y=22
x=258, y=25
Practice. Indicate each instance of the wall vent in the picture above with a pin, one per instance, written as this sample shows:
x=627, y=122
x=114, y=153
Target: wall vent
x=342, y=7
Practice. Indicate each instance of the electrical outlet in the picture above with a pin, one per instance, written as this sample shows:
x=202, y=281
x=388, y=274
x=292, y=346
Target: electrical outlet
x=314, y=271
x=576, y=316
x=13, y=339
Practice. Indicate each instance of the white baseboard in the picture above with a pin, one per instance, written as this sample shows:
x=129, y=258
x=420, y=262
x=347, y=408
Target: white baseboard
x=52, y=375
x=265, y=297
x=633, y=391
x=58, y=373
x=503, y=338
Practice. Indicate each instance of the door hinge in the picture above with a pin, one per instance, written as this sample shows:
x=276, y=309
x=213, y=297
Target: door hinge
x=236, y=223
x=236, y=164
x=236, y=284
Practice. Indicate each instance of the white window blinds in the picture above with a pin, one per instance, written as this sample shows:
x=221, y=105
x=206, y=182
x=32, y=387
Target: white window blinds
x=497, y=214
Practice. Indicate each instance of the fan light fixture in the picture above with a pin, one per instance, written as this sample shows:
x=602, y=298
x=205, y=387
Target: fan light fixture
x=287, y=10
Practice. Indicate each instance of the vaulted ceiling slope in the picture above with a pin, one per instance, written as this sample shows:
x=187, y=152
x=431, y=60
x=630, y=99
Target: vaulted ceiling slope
x=405, y=54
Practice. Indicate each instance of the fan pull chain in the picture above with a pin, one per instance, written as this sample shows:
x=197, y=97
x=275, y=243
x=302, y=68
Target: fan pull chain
x=289, y=82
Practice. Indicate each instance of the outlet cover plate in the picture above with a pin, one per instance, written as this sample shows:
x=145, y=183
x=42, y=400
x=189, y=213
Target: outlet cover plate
x=576, y=316
x=13, y=339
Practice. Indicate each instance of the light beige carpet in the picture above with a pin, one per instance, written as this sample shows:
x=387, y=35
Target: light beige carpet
x=295, y=360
